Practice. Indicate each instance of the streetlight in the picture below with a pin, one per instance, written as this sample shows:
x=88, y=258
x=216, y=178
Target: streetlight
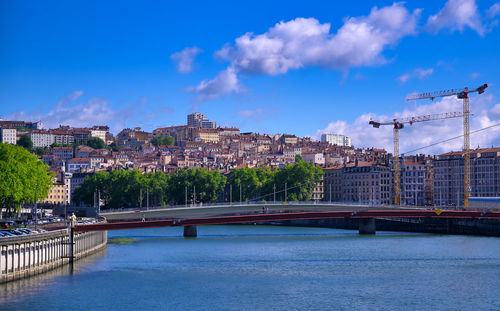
x=36, y=207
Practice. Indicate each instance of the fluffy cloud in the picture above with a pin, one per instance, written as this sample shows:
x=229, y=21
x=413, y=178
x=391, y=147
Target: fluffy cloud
x=305, y=42
x=456, y=15
x=225, y=82
x=419, y=73
x=94, y=111
x=426, y=133
x=185, y=59
x=495, y=112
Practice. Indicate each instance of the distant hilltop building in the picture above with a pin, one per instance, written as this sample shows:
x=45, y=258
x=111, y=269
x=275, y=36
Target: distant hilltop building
x=198, y=120
x=22, y=124
x=336, y=139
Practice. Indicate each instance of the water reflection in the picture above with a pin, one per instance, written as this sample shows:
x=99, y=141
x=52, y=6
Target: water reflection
x=21, y=289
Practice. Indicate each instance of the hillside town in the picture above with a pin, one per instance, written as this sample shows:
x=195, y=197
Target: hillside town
x=364, y=175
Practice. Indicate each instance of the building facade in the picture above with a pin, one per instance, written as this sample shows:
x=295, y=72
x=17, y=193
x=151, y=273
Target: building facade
x=336, y=139
x=8, y=135
x=449, y=176
x=367, y=184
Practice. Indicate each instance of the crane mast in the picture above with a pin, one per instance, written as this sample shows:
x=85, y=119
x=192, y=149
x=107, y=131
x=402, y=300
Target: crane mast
x=398, y=124
x=464, y=95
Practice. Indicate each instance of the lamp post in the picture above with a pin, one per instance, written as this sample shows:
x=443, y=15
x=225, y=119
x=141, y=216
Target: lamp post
x=274, y=193
x=36, y=207
x=285, y=193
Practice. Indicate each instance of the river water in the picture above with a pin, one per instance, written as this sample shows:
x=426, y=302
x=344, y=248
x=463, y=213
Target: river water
x=272, y=267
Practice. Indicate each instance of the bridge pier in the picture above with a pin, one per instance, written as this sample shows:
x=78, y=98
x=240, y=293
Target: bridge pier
x=190, y=232
x=367, y=226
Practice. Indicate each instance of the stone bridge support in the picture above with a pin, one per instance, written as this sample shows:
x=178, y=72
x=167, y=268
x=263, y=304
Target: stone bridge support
x=367, y=226
x=190, y=232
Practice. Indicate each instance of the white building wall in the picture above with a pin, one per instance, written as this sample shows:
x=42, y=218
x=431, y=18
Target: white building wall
x=42, y=139
x=8, y=135
x=336, y=139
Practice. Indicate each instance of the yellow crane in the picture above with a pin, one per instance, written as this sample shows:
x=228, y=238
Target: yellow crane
x=398, y=124
x=462, y=93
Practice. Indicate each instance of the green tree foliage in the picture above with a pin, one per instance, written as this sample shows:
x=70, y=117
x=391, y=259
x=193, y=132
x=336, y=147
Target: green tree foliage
x=258, y=184
x=300, y=179
x=246, y=180
x=20, y=172
x=25, y=142
x=96, y=143
x=163, y=140
x=40, y=151
x=205, y=185
x=114, y=146
x=129, y=189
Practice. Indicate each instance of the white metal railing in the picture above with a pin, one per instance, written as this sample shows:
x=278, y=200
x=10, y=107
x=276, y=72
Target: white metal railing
x=258, y=203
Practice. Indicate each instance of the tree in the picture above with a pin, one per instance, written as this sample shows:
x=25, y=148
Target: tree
x=96, y=143
x=201, y=185
x=298, y=158
x=114, y=146
x=247, y=180
x=300, y=179
x=40, y=151
x=20, y=175
x=163, y=140
x=25, y=142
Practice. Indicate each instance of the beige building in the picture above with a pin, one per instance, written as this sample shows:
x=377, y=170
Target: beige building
x=100, y=132
x=58, y=194
x=208, y=135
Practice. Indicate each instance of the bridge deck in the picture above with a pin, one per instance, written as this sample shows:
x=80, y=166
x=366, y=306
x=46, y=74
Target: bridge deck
x=248, y=218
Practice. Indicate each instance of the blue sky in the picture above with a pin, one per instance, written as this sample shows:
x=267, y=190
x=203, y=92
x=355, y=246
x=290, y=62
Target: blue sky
x=270, y=67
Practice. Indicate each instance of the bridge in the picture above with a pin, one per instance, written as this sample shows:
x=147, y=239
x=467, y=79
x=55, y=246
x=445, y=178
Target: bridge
x=191, y=216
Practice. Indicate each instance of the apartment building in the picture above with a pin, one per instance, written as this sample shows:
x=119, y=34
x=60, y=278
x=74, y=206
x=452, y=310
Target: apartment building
x=336, y=139
x=8, y=135
x=413, y=183
x=41, y=138
x=333, y=183
x=367, y=183
x=449, y=176
x=63, y=153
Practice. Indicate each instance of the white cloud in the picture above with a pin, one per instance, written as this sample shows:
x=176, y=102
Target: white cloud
x=419, y=73
x=494, y=10
x=185, y=59
x=424, y=133
x=495, y=112
x=94, y=111
x=224, y=83
x=456, y=15
x=305, y=42
x=250, y=113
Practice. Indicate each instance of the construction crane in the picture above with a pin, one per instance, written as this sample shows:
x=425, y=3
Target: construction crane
x=398, y=124
x=461, y=94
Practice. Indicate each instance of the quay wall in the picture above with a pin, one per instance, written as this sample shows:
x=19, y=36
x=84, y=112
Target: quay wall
x=27, y=255
x=482, y=227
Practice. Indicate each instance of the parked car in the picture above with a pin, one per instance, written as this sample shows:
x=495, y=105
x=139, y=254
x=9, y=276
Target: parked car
x=27, y=231
x=6, y=234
